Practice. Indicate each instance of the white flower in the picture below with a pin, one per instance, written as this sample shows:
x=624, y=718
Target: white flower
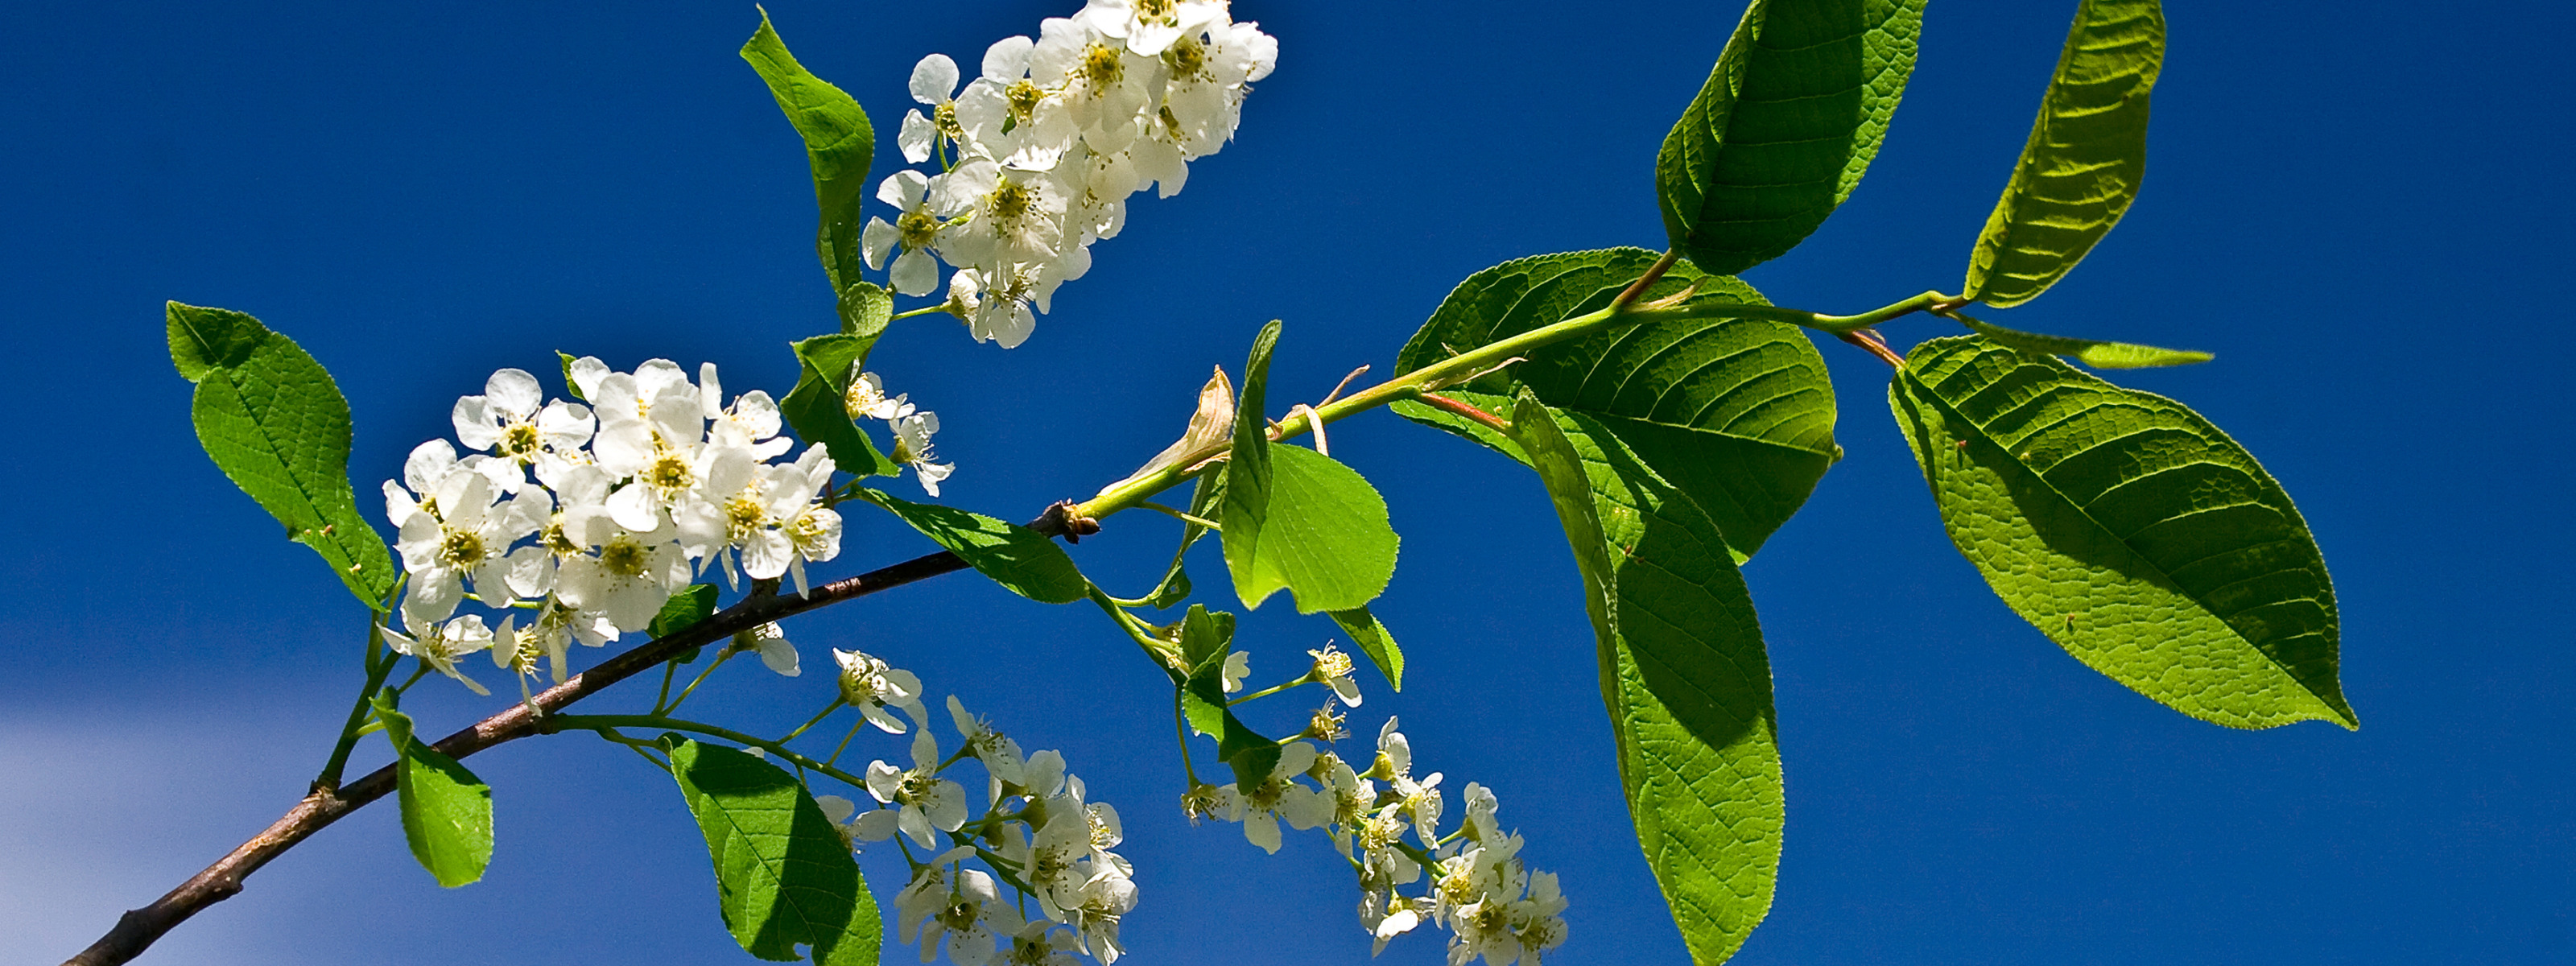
x=439, y=649
x=772, y=645
x=1103, y=84
x=1150, y=26
x=1334, y=669
x=1007, y=118
x=626, y=577
x=1419, y=799
x=1000, y=754
x=467, y=537
x=1261, y=807
x=507, y=420
x=929, y=801
x=912, y=445
x=952, y=901
x=915, y=230
x=867, y=399
x=965, y=298
x=934, y=80
x=651, y=426
x=871, y=685
x=1013, y=217
x=1238, y=665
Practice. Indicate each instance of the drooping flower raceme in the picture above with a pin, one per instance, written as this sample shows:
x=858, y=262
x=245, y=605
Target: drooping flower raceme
x=1038, y=154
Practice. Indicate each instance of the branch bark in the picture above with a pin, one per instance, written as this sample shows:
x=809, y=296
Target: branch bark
x=139, y=928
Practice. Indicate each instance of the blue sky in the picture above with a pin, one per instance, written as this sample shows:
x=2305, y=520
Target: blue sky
x=2359, y=214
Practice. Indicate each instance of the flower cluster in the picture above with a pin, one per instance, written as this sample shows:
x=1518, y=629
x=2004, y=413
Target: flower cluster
x=1478, y=889
x=1038, y=154
x=1039, y=835
x=590, y=517
x=912, y=428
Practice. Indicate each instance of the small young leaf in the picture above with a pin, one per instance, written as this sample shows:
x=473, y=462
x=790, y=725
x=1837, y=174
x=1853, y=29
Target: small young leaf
x=2091, y=352
x=2086, y=155
x=2127, y=529
x=1737, y=412
x=446, y=811
x=839, y=144
x=571, y=388
x=866, y=310
x=1022, y=560
x=274, y=422
x=817, y=409
x=1324, y=539
x=1785, y=126
x=1374, y=640
x=783, y=875
x=1683, y=671
x=684, y=610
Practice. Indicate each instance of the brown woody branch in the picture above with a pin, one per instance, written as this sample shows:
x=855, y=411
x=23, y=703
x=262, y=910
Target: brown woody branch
x=139, y=928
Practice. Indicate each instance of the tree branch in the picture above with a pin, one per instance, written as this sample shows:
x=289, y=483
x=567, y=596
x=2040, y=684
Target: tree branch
x=139, y=928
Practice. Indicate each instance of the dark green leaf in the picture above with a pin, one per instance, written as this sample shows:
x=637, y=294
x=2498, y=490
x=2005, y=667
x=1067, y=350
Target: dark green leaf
x=839, y=144
x=783, y=875
x=1206, y=638
x=2086, y=155
x=1737, y=412
x=2091, y=352
x=1785, y=126
x=2127, y=529
x=1022, y=560
x=1372, y=637
x=817, y=408
x=274, y=422
x=684, y=610
x=1684, y=673
x=446, y=811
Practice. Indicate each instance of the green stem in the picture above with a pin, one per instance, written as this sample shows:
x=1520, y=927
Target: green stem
x=1183, y=515
x=380, y=662
x=846, y=739
x=722, y=656
x=598, y=722
x=928, y=310
x=1181, y=730
x=1135, y=629
x=1266, y=692
x=817, y=719
x=1463, y=366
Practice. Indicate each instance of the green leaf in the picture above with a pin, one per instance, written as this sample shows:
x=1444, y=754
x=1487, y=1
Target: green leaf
x=839, y=143
x=1372, y=637
x=1683, y=672
x=2091, y=352
x=572, y=388
x=783, y=874
x=2127, y=529
x=816, y=409
x=1022, y=560
x=275, y=423
x=1206, y=638
x=1739, y=413
x=866, y=310
x=1246, y=503
x=684, y=610
x=1785, y=126
x=2086, y=154
x=1324, y=537
x=446, y=811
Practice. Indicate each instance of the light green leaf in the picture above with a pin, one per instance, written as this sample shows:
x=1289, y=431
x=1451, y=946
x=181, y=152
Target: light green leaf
x=1737, y=412
x=1022, y=560
x=2129, y=530
x=1324, y=538
x=1246, y=500
x=816, y=409
x=784, y=876
x=866, y=310
x=2086, y=155
x=839, y=144
x=2091, y=352
x=1373, y=639
x=275, y=423
x=1785, y=126
x=571, y=387
x=446, y=811
x=1683, y=672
